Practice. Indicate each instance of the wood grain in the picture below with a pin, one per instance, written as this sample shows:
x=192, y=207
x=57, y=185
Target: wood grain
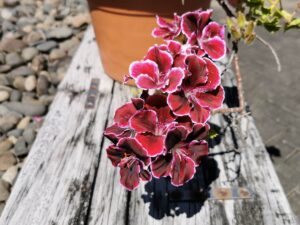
x=55, y=184
x=67, y=178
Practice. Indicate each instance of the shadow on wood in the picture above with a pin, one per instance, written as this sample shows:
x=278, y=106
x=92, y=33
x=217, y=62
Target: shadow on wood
x=167, y=200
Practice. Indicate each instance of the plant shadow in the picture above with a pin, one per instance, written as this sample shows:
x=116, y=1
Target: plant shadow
x=167, y=200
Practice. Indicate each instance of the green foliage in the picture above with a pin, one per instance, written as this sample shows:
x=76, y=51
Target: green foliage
x=266, y=13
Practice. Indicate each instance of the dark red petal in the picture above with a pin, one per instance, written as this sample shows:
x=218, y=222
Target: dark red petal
x=197, y=150
x=146, y=82
x=145, y=175
x=179, y=103
x=213, y=29
x=163, y=23
x=199, y=132
x=214, y=78
x=153, y=144
x=124, y=113
x=138, y=103
x=116, y=132
x=164, y=115
x=156, y=100
x=162, y=165
x=130, y=175
x=174, y=47
x=144, y=121
x=160, y=32
x=214, y=47
x=163, y=59
x=204, y=17
x=175, y=135
x=115, y=154
x=200, y=52
x=174, y=79
x=183, y=169
x=212, y=99
x=199, y=114
x=185, y=121
x=189, y=23
x=198, y=70
x=133, y=146
x=179, y=61
x=146, y=67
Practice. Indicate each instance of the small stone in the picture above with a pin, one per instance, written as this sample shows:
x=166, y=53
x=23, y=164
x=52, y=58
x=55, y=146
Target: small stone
x=19, y=83
x=4, y=193
x=11, y=45
x=46, y=46
x=11, y=174
x=7, y=160
x=29, y=136
x=2, y=57
x=20, y=148
x=21, y=71
x=34, y=37
x=15, y=133
x=4, y=95
x=29, y=53
x=13, y=139
x=8, y=122
x=78, y=20
x=6, y=14
x=26, y=108
x=69, y=44
x=5, y=88
x=24, y=21
x=13, y=59
x=7, y=25
x=27, y=28
x=15, y=96
x=23, y=124
x=5, y=68
x=30, y=83
x=11, y=3
x=42, y=85
x=57, y=54
x=46, y=99
x=38, y=63
x=60, y=33
x=3, y=80
x=5, y=145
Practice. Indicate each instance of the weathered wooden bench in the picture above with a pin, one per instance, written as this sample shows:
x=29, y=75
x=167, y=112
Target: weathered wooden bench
x=67, y=178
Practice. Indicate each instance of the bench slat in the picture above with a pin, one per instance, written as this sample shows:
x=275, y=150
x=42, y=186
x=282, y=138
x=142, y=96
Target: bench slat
x=55, y=184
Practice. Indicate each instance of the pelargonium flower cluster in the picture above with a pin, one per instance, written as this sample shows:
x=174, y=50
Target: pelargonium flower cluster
x=164, y=134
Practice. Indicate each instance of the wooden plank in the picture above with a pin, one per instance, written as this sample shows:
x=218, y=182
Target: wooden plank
x=54, y=187
x=109, y=201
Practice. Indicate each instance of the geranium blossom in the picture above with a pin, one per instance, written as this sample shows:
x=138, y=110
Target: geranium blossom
x=182, y=156
x=201, y=90
x=166, y=30
x=210, y=36
x=156, y=72
x=164, y=134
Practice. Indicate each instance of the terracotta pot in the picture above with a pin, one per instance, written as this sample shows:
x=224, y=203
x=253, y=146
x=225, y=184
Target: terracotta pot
x=123, y=28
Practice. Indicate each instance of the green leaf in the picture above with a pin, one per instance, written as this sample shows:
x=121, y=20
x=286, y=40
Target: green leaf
x=229, y=23
x=249, y=28
x=295, y=23
x=212, y=134
x=241, y=19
